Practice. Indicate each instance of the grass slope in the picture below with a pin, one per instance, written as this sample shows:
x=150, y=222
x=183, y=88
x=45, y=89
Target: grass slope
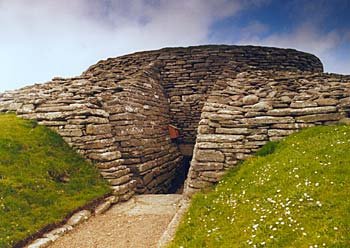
x=41, y=179
x=297, y=196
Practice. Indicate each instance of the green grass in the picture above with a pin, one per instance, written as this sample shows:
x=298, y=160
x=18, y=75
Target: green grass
x=41, y=179
x=296, y=195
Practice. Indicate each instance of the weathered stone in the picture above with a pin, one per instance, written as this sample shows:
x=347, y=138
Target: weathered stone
x=345, y=102
x=212, y=174
x=96, y=120
x=303, y=104
x=265, y=120
x=52, y=116
x=103, y=207
x=218, y=117
x=123, y=189
x=106, y=156
x=326, y=102
x=285, y=99
x=191, y=98
x=209, y=166
x=214, y=145
x=232, y=130
x=319, y=117
x=14, y=106
x=27, y=108
x=279, y=132
x=250, y=99
x=98, y=129
x=291, y=126
x=113, y=199
x=40, y=243
x=127, y=196
x=220, y=138
x=257, y=137
x=57, y=232
x=91, y=112
x=147, y=166
x=120, y=180
x=79, y=217
x=229, y=112
x=302, y=111
x=115, y=174
x=109, y=164
x=345, y=121
x=146, y=179
x=209, y=156
x=316, y=110
x=71, y=132
x=280, y=112
x=261, y=106
x=199, y=184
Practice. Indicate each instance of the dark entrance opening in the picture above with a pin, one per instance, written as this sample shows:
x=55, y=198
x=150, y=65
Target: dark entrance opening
x=177, y=184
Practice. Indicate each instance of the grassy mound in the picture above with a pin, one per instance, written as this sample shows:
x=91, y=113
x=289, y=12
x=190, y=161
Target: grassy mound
x=41, y=179
x=295, y=193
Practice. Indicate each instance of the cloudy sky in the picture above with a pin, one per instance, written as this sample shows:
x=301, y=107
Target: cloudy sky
x=40, y=39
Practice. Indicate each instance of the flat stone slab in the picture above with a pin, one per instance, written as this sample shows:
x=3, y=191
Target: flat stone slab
x=139, y=222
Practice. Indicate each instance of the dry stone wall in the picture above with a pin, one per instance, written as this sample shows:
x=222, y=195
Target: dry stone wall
x=187, y=74
x=139, y=116
x=117, y=112
x=241, y=114
x=122, y=126
x=72, y=108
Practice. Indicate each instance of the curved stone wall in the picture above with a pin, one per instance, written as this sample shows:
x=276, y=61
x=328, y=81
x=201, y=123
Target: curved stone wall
x=188, y=73
x=117, y=112
x=241, y=114
x=139, y=117
x=72, y=107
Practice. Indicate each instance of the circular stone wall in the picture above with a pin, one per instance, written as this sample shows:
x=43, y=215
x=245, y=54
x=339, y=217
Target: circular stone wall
x=117, y=112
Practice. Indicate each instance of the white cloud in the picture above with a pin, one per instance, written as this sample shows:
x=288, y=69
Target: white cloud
x=252, y=31
x=306, y=38
x=40, y=39
x=45, y=38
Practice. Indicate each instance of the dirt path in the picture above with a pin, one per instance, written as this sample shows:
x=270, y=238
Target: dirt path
x=140, y=222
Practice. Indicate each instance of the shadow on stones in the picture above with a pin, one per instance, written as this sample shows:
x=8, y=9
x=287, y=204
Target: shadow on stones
x=177, y=184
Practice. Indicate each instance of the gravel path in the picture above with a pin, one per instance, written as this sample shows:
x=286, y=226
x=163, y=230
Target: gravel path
x=138, y=223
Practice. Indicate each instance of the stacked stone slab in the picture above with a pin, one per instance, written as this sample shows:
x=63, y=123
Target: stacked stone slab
x=72, y=108
x=187, y=74
x=241, y=114
x=120, y=124
x=117, y=112
x=139, y=116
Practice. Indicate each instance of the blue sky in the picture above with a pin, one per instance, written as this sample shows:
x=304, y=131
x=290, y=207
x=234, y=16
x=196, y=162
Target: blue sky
x=40, y=39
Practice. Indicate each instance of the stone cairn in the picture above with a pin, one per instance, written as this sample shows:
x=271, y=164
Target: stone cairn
x=227, y=101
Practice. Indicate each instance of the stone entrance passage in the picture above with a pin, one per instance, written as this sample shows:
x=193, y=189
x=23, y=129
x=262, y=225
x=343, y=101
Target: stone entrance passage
x=177, y=184
x=225, y=101
x=181, y=171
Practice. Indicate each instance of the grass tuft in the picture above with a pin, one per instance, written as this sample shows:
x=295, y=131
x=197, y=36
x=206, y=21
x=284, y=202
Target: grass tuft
x=297, y=195
x=267, y=149
x=41, y=179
